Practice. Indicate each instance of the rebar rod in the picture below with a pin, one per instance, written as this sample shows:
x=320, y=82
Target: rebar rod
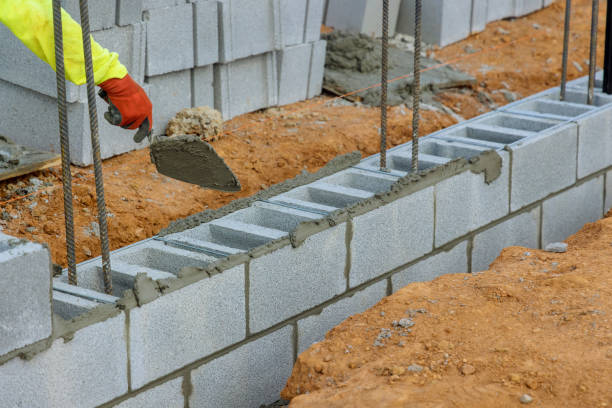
x=95, y=145
x=607, y=77
x=384, y=86
x=593, y=52
x=416, y=86
x=60, y=76
x=566, y=34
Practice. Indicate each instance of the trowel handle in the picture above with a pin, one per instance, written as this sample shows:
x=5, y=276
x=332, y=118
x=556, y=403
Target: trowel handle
x=113, y=116
x=143, y=131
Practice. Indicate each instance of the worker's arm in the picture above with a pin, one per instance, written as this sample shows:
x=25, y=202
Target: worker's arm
x=32, y=22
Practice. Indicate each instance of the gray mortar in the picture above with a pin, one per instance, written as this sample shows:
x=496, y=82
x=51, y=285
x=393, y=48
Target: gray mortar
x=353, y=62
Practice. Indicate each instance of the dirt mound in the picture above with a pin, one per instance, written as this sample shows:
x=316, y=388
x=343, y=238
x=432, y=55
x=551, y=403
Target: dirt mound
x=534, y=329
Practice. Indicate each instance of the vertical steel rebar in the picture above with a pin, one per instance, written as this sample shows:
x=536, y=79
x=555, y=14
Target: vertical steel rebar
x=416, y=86
x=607, y=77
x=384, y=86
x=95, y=145
x=593, y=52
x=60, y=76
x=566, y=34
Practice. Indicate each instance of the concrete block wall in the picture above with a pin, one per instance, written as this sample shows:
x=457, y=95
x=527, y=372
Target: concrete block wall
x=185, y=52
x=444, y=21
x=236, y=298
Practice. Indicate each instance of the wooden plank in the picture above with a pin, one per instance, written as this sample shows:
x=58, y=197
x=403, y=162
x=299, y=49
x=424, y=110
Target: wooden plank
x=27, y=160
x=30, y=167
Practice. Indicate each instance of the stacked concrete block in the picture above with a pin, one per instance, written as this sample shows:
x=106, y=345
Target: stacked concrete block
x=443, y=21
x=314, y=19
x=203, y=86
x=292, y=21
x=169, y=93
x=454, y=260
x=260, y=368
x=206, y=32
x=292, y=73
x=500, y=9
x=167, y=395
x=520, y=230
x=88, y=370
x=186, y=325
x=362, y=16
x=25, y=293
x=566, y=213
x=480, y=9
x=70, y=301
x=101, y=13
x=313, y=328
x=317, y=69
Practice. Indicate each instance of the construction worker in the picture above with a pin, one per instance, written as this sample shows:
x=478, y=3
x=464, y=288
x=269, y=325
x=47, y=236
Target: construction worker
x=32, y=22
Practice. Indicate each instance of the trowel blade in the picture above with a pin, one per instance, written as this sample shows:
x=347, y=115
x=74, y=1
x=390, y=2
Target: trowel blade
x=190, y=159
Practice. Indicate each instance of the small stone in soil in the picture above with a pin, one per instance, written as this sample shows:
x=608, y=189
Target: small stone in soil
x=526, y=399
x=415, y=368
x=558, y=247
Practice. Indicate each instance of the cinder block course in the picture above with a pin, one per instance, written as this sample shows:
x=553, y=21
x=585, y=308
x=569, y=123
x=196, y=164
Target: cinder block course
x=594, y=141
x=314, y=20
x=465, y=202
x=543, y=164
x=520, y=230
x=246, y=85
x=292, y=21
x=291, y=280
x=317, y=68
x=391, y=236
x=206, y=32
x=203, y=87
x=363, y=16
x=86, y=371
x=25, y=293
x=129, y=12
x=166, y=395
x=313, y=328
x=293, y=71
x=566, y=213
x=101, y=13
x=169, y=93
x=247, y=28
x=453, y=261
x=261, y=367
x=186, y=325
x=170, y=44
x=444, y=22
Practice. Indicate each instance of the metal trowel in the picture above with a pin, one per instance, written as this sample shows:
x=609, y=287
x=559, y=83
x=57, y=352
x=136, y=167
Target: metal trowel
x=186, y=158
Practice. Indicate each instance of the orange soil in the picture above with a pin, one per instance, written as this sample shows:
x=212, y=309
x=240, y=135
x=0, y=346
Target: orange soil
x=535, y=323
x=270, y=146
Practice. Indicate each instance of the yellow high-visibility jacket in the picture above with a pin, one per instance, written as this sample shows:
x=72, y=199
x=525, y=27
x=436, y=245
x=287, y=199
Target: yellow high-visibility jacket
x=32, y=22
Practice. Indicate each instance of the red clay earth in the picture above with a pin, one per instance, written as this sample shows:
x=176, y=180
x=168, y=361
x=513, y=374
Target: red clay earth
x=275, y=144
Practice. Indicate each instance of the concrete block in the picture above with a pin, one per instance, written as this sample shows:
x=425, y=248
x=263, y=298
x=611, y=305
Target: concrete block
x=167, y=395
x=608, y=187
x=314, y=20
x=452, y=261
x=523, y=7
x=362, y=16
x=153, y=4
x=246, y=85
x=566, y=213
x=521, y=230
x=101, y=13
x=479, y=15
x=293, y=71
x=169, y=93
x=68, y=306
x=543, y=164
x=129, y=12
x=25, y=293
x=391, y=236
x=186, y=325
x=247, y=28
x=291, y=280
x=317, y=69
x=313, y=328
x=88, y=370
x=443, y=21
x=206, y=32
x=594, y=141
x=260, y=368
x=500, y=9
x=465, y=202
x=129, y=43
x=203, y=87
x=170, y=45
x=292, y=21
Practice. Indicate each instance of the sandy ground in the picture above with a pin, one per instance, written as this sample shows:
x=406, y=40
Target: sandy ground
x=521, y=57
x=536, y=324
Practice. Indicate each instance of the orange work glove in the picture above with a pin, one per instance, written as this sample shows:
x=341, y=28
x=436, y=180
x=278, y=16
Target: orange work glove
x=129, y=105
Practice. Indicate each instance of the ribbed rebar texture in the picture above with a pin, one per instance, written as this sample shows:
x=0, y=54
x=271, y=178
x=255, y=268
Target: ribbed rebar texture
x=95, y=145
x=416, y=87
x=607, y=74
x=64, y=140
x=566, y=33
x=384, y=85
x=593, y=53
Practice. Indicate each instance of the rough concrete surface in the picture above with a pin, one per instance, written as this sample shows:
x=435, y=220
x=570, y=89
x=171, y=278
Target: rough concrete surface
x=353, y=62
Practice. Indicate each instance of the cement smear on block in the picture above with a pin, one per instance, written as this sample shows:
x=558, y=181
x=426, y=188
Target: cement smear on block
x=353, y=61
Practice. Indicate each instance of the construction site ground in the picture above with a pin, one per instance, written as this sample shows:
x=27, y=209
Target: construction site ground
x=534, y=329
x=510, y=59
